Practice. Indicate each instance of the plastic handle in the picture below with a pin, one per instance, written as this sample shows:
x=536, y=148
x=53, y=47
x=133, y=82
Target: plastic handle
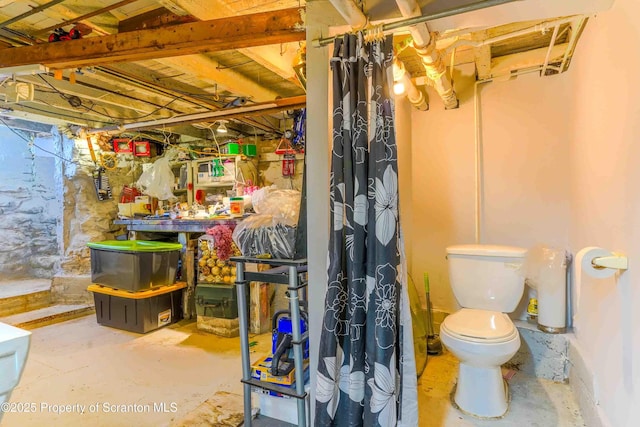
x=426, y=282
x=616, y=261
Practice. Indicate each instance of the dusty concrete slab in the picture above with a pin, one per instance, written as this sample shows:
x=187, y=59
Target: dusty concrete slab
x=154, y=379
x=534, y=401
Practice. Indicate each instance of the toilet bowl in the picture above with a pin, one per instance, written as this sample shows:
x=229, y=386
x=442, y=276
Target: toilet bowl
x=481, y=340
x=486, y=282
x=14, y=347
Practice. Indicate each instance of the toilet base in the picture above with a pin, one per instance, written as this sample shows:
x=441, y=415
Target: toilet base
x=481, y=392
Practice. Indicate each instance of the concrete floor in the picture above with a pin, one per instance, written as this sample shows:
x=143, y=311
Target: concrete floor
x=179, y=376
x=535, y=402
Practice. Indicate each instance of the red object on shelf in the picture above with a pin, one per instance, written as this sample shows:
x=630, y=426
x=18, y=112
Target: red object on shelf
x=142, y=148
x=122, y=145
x=199, y=196
x=129, y=194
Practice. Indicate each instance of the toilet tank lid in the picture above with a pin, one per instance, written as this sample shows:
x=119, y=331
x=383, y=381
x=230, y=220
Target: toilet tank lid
x=487, y=250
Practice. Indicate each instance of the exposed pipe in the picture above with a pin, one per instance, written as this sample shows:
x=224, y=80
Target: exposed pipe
x=405, y=23
x=357, y=19
x=575, y=27
x=425, y=46
x=533, y=29
x=261, y=108
x=478, y=161
x=350, y=12
x=551, y=44
x=415, y=96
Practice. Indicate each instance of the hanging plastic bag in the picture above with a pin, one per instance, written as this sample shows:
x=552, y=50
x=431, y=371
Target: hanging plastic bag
x=273, y=229
x=158, y=180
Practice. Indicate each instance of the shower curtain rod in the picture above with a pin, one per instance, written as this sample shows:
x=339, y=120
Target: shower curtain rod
x=418, y=19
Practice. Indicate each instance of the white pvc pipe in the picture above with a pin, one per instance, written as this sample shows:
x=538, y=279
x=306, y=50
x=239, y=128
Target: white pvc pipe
x=551, y=44
x=357, y=19
x=534, y=29
x=350, y=12
x=415, y=96
x=478, y=163
x=431, y=58
x=419, y=32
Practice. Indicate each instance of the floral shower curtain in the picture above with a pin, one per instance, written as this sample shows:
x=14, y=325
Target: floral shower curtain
x=366, y=369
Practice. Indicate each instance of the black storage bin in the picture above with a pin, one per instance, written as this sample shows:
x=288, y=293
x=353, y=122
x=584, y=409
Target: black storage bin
x=134, y=265
x=140, y=312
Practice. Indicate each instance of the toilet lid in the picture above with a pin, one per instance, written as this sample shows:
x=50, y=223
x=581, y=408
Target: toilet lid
x=479, y=324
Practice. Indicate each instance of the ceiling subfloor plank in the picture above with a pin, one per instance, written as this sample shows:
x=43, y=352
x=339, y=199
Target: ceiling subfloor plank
x=84, y=17
x=278, y=59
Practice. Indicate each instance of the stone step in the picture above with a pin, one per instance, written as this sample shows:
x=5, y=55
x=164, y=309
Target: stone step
x=47, y=316
x=18, y=296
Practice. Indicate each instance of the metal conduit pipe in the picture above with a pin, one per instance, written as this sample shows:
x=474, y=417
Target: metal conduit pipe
x=425, y=46
x=357, y=19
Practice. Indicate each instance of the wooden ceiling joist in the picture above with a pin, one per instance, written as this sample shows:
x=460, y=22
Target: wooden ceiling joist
x=258, y=29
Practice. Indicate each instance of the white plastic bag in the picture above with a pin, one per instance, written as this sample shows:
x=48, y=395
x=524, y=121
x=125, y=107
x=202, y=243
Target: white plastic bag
x=158, y=180
x=272, y=230
x=541, y=264
x=283, y=205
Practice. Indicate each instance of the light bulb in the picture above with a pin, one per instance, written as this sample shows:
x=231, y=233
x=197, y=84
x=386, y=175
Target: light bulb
x=398, y=88
x=222, y=128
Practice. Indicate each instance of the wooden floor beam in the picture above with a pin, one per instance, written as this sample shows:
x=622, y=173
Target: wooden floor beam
x=257, y=29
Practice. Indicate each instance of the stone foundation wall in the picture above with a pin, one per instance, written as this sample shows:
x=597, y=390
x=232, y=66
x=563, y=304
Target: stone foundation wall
x=29, y=206
x=85, y=218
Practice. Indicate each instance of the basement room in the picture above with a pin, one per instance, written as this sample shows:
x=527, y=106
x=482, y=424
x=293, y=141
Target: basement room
x=317, y=213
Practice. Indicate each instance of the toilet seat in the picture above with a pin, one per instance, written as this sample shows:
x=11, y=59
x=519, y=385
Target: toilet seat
x=481, y=326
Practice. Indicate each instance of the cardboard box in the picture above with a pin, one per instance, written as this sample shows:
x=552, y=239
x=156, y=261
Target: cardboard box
x=260, y=371
x=283, y=408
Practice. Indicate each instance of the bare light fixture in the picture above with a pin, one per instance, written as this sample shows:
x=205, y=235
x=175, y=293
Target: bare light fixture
x=399, y=88
x=399, y=73
x=223, y=127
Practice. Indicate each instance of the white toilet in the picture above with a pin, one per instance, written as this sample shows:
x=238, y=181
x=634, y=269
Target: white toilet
x=14, y=347
x=486, y=284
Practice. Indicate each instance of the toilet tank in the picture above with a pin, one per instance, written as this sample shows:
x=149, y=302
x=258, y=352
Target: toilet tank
x=486, y=277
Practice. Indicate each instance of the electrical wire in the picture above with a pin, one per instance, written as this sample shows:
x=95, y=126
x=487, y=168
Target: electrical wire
x=30, y=142
x=122, y=119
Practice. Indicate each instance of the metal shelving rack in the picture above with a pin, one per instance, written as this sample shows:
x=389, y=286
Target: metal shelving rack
x=284, y=272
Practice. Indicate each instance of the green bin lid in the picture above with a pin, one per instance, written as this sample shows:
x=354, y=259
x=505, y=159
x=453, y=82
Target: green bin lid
x=135, y=246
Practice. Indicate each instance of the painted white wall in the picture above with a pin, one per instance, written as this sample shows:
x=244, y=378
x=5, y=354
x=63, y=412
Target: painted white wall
x=605, y=204
x=561, y=168
x=525, y=152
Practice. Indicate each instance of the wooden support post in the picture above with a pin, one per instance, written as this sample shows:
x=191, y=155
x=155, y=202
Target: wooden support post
x=259, y=310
